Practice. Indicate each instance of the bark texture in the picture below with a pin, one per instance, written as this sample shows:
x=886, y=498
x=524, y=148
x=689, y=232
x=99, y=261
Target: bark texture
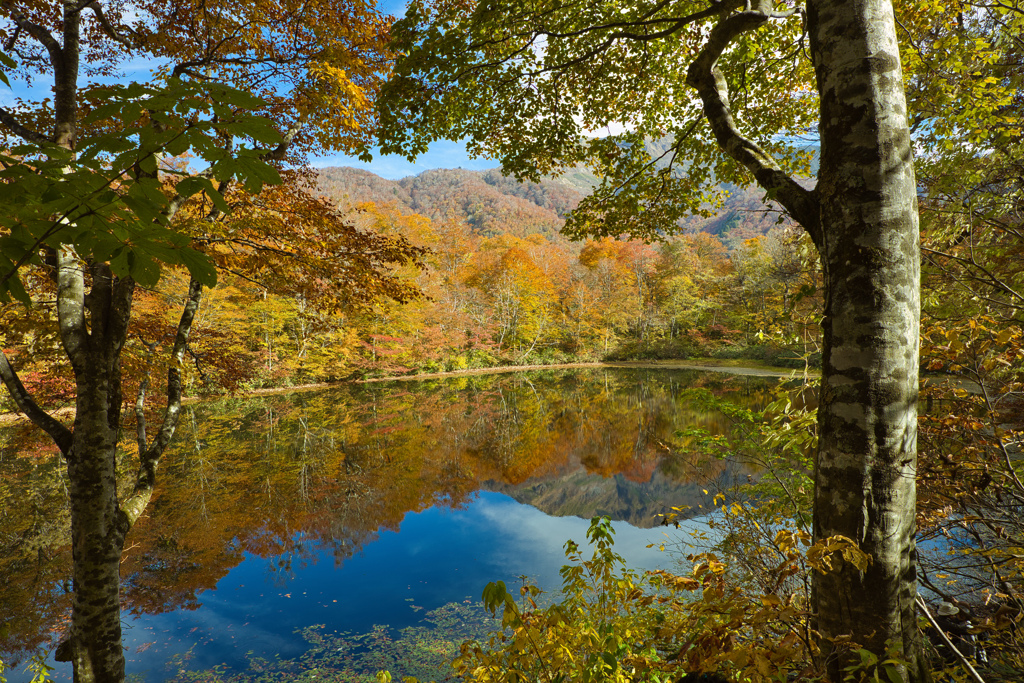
x=93, y=331
x=867, y=457
x=862, y=217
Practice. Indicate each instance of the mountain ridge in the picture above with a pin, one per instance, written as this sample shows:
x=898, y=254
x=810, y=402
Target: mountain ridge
x=493, y=204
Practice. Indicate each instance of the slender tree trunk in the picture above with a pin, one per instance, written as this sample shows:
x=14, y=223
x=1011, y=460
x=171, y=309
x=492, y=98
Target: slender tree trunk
x=94, y=641
x=867, y=456
x=93, y=331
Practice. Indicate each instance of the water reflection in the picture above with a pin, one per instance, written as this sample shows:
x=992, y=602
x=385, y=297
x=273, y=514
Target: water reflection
x=290, y=506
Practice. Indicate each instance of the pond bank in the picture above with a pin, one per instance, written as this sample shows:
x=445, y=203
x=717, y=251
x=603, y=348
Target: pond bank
x=703, y=364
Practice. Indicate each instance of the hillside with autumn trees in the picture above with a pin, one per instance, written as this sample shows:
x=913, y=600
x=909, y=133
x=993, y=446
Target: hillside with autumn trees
x=499, y=285
x=164, y=236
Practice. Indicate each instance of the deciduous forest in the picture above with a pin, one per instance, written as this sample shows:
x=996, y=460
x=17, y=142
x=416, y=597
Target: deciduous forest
x=829, y=187
x=498, y=285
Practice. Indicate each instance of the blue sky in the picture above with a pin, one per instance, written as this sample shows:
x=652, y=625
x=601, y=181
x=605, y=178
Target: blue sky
x=441, y=154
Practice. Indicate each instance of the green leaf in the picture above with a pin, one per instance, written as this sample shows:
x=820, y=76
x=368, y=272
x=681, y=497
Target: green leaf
x=218, y=200
x=141, y=207
x=200, y=266
x=119, y=262
x=224, y=94
x=143, y=270
x=191, y=185
x=892, y=673
x=14, y=287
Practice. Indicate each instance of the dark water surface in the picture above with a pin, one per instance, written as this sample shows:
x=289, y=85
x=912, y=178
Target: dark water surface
x=362, y=511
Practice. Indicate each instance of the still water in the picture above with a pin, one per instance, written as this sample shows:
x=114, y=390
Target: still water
x=354, y=528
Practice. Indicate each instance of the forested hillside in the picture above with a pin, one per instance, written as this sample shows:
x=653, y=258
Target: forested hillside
x=492, y=203
x=498, y=284
x=488, y=201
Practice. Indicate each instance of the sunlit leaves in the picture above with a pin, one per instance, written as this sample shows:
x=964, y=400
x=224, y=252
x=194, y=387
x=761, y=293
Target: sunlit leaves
x=527, y=83
x=106, y=199
x=614, y=624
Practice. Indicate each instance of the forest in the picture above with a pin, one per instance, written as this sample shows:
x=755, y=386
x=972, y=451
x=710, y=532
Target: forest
x=820, y=186
x=497, y=285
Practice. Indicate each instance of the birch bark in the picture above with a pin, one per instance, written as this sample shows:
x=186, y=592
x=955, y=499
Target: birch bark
x=870, y=253
x=862, y=216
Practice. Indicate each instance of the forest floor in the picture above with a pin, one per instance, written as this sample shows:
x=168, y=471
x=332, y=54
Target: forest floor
x=732, y=366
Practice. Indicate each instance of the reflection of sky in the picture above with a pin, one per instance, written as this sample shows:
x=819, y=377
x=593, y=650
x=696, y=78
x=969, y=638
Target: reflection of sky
x=438, y=556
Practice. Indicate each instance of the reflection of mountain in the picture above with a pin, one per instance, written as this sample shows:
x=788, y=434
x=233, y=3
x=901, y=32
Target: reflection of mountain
x=585, y=495
x=295, y=478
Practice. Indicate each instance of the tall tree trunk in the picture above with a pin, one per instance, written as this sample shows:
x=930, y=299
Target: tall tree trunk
x=93, y=330
x=867, y=455
x=93, y=644
x=862, y=217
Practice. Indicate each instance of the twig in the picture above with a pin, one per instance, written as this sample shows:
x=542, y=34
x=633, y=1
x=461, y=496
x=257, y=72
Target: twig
x=942, y=634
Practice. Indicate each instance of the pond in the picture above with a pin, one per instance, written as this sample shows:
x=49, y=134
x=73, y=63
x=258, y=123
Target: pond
x=354, y=528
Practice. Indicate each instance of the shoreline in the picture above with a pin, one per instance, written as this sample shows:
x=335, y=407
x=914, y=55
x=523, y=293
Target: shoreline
x=702, y=364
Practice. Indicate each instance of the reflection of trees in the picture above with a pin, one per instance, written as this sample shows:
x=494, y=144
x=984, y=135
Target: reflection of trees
x=287, y=478
x=35, y=561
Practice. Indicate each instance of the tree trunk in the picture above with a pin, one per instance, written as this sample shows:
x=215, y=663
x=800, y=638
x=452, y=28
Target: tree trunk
x=862, y=217
x=94, y=640
x=867, y=454
x=93, y=330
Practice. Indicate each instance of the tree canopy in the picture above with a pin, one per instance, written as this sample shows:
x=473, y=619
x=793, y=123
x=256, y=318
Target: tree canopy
x=236, y=86
x=530, y=83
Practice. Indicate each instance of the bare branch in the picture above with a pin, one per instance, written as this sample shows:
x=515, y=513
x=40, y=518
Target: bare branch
x=60, y=434
x=705, y=76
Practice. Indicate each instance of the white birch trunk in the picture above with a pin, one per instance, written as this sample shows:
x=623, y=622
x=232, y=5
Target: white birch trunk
x=870, y=251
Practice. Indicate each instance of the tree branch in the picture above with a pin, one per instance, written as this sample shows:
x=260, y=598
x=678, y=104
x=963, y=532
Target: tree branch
x=149, y=458
x=27, y=134
x=140, y=414
x=36, y=31
x=101, y=17
x=921, y=605
x=277, y=154
x=9, y=45
x=60, y=434
x=644, y=22
x=704, y=75
x=140, y=399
